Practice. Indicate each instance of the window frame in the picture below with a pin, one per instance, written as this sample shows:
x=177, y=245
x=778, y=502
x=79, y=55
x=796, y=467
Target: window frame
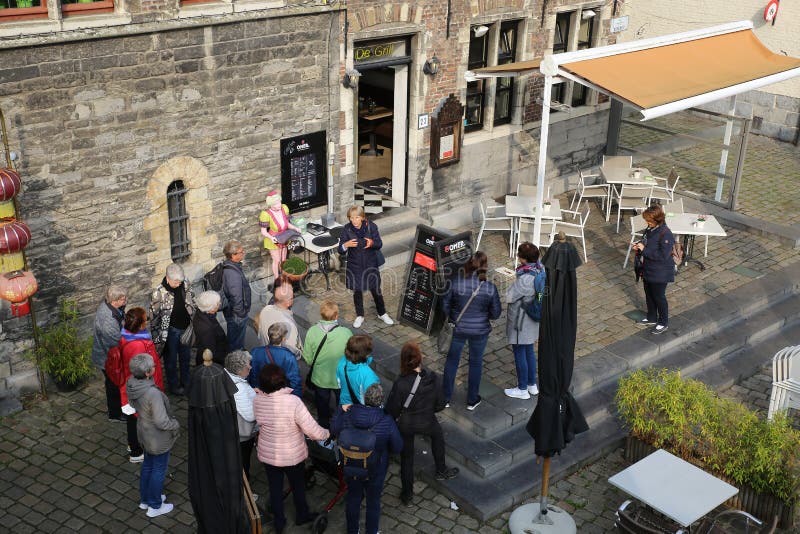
x=178, y=221
x=502, y=59
x=566, y=91
x=67, y=10
x=478, y=87
x=24, y=13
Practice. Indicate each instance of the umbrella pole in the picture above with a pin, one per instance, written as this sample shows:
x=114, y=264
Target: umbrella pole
x=545, y=489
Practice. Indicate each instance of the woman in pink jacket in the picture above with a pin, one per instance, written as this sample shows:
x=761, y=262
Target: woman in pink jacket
x=282, y=449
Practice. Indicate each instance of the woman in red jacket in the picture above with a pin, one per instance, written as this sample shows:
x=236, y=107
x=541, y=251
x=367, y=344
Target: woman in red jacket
x=136, y=340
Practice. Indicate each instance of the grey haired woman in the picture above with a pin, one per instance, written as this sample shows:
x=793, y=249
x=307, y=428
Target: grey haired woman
x=237, y=364
x=207, y=330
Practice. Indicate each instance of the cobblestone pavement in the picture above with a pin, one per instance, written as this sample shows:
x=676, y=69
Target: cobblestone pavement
x=64, y=468
x=770, y=177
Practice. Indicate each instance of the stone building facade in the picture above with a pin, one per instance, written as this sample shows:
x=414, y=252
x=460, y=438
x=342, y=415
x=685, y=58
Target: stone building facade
x=115, y=113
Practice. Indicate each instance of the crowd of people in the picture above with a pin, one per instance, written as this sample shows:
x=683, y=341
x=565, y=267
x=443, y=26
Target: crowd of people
x=339, y=380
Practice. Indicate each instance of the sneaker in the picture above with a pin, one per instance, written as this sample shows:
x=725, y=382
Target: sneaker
x=644, y=321
x=137, y=459
x=516, y=393
x=143, y=506
x=659, y=329
x=447, y=474
x=118, y=419
x=255, y=497
x=386, y=319
x=447, y=405
x=475, y=404
x=533, y=390
x=155, y=512
x=358, y=322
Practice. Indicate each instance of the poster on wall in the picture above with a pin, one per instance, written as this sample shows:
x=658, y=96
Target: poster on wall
x=304, y=179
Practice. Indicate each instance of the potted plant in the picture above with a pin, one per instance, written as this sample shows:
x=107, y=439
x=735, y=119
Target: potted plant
x=701, y=220
x=62, y=352
x=684, y=416
x=294, y=269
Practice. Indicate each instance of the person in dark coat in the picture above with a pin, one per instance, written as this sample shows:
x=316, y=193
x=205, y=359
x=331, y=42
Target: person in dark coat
x=418, y=417
x=361, y=240
x=237, y=292
x=658, y=267
x=387, y=441
x=474, y=325
x=207, y=330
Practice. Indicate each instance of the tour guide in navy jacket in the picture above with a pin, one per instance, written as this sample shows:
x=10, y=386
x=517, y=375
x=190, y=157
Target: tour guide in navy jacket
x=387, y=441
x=473, y=327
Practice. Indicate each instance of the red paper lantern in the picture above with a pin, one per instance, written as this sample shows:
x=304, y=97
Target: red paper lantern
x=16, y=287
x=10, y=184
x=14, y=236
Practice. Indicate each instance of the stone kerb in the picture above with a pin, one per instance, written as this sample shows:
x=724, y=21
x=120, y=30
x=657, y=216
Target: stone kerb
x=195, y=179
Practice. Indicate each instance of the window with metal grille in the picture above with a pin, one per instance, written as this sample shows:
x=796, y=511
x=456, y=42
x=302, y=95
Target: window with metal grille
x=178, y=221
x=475, y=90
x=504, y=91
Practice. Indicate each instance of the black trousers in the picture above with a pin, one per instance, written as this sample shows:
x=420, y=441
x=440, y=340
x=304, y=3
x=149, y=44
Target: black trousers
x=297, y=481
x=322, y=400
x=377, y=296
x=113, y=401
x=434, y=432
x=247, y=451
x=133, y=439
x=657, y=307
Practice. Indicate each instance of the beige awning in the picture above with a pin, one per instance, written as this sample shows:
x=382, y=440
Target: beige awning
x=660, y=75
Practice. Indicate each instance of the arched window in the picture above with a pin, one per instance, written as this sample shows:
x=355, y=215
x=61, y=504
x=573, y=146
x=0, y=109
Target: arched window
x=178, y=221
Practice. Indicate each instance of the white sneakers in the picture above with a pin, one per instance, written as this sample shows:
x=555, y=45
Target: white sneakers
x=516, y=393
x=385, y=318
x=143, y=506
x=533, y=390
x=155, y=512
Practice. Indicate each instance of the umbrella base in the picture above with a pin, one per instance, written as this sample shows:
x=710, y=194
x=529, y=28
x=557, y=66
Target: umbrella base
x=525, y=519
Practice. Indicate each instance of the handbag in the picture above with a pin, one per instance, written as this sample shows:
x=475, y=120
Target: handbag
x=309, y=384
x=380, y=259
x=188, y=338
x=445, y=336
x=410, y=397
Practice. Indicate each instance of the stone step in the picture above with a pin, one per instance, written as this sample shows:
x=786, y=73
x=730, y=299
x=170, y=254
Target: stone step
x=397, y=227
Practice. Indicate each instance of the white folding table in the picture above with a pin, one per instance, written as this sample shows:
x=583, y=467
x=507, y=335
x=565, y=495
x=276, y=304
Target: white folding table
x=674, y=487
x=617, y=176
x=323, y=253
x=524, y=207
x=687, y=225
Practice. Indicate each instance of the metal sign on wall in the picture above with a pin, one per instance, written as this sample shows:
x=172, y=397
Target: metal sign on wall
x=447, y=127
x=304, y=181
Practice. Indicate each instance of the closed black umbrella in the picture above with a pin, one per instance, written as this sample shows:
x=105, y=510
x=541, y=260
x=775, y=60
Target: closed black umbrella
x=215, y=461
x=557, y=417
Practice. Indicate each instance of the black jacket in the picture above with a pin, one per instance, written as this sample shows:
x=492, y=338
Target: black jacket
x=237, y=290
x=484, y=307
x=209, y=335
x=362, y=263
x=428, y=400
x=659, y=267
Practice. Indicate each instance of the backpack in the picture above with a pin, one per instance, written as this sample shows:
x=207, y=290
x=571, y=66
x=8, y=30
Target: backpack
x=212, y=281
x=357, y=446
x=115, y=370
x=533, y=308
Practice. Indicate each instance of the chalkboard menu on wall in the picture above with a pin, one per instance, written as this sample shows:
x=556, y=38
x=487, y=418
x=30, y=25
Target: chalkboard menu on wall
x=437, y=256
x=303, y=178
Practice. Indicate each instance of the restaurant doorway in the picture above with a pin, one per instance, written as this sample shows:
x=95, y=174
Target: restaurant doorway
x=382, y=132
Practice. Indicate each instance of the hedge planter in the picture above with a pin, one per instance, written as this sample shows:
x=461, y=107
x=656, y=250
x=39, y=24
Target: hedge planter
x=762, y=505
x=687, y=418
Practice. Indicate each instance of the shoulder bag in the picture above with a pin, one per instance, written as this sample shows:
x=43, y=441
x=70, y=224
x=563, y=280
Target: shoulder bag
x=445, y=336
x=188, y=338
x=353, y=397
x=309, y=383
x=410, y=397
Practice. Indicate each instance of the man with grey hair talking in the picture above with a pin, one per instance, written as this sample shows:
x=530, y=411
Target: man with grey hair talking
x=157, y=431
x=237, y=292
x=107, y=328
x=281, y=312
x=171, y=309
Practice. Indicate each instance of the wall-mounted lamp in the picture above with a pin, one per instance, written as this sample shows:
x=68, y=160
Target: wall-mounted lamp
x=480, y=31
x=431, y=66
x=350, y=79
x=587, y=14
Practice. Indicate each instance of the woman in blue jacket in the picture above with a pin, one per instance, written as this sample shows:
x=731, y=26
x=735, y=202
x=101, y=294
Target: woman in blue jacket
x=473, y=327
x=353, y=374
x=658, y=267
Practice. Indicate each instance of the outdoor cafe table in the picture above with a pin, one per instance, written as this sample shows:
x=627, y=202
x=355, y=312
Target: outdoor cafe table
x=617, y=176
x=674, y=487
x=323, y=252
x=524, y=207
x=686, y=225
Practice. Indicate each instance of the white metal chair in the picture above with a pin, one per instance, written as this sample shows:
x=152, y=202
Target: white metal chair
x=574, y=229
x=676, y=206
x=638, y=226
x=526, y=190
x=545, y=235
x=589, y=190
x=618, y=161
x=494, y=219
x=631, y=197
x=662, y=190
x=785, y=380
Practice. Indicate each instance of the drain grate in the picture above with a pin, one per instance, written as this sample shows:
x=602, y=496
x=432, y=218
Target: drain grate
x=634, y=315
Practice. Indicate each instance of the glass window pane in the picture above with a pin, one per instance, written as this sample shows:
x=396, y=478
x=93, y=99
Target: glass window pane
x=561, y=37
x=585, y=33
x=502, y=105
